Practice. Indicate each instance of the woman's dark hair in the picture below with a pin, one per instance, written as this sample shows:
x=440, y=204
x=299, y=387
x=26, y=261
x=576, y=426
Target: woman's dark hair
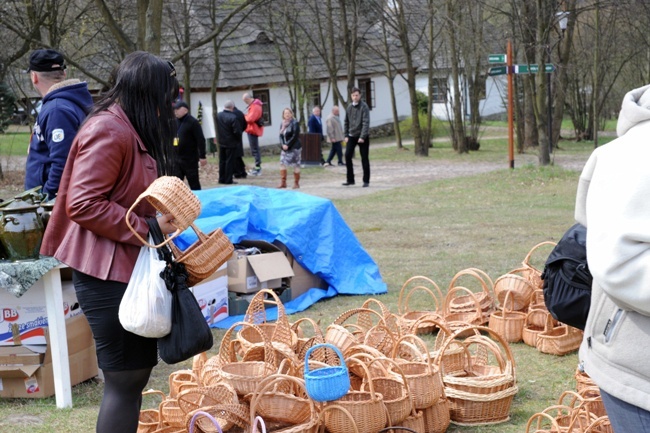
x=145, y=86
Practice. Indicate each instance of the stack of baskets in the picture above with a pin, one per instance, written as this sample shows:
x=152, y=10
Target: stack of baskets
x=580, y=411
x=170, y=195
x=483, y=392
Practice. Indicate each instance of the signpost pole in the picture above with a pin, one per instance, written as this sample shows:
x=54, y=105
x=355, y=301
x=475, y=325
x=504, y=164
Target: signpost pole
x=511, y=137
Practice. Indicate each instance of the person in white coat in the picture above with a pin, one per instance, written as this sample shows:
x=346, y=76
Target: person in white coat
x=613, y=202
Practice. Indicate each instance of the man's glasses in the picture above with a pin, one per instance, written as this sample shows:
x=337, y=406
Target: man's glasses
x=172, y=72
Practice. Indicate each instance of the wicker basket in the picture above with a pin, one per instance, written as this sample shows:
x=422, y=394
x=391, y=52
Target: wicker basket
x=279, y=333
x=327, y=383
x=230, y=414
x=169, y=195
x=530, y=272
x=558, y=340
x=150, y=418
x=244, y=376
x=395, y=390
x=542, y=423
x=423, y=375
x=432, y=297
x=519, y=287
x=391, y=320
x=181, y=378
x=506, y=322
x=456, y=320
x=344, y=335
x=205, y=256
x=484, y=295
x=196, y=398
x=532, y=328
x=582, y=379
x=305, y=341
x=343, y=416
x=366, y=408
x=437, y=417
x=272, y=403
x=483, y=394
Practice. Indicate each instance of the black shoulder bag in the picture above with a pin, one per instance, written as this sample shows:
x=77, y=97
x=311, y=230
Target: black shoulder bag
x=567, y=280
x=190, y=334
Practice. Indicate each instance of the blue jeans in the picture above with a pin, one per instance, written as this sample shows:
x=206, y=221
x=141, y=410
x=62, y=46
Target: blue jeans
x=625, y=418
x=254, y=144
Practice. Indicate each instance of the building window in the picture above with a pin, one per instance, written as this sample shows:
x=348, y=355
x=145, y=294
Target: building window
x=367, y=87
x=264, y=96
x=439, y=90
x=313, y=97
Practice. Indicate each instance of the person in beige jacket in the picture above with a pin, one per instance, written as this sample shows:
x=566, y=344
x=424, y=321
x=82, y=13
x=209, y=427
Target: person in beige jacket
x=335, y=136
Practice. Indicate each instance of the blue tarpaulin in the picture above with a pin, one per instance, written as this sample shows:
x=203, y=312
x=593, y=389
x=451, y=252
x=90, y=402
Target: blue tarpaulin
x=310, y=227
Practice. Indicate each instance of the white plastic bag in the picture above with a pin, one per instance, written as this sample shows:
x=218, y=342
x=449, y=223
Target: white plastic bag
x=146, y=308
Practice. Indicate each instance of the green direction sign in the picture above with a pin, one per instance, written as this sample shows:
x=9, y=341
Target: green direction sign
x=533, y=69
x=497, y=58
x=497, y=70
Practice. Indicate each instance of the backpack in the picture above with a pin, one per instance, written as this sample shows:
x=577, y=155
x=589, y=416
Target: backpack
x=567, y=280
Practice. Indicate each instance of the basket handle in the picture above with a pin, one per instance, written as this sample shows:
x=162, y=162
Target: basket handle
x=400, y=309
x=206, y=415
x=259, y=421
x=540, y=417
x=436, y=302
x=478, y=275
x=526, y=261
x=137, y=235
x=342, y=409
x=327, y=345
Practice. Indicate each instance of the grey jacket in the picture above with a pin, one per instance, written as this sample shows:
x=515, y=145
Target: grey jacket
x=357, y=120
x=612, y=202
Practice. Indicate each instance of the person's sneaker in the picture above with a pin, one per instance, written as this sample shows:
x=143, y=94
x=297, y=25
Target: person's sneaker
x=347, y=183
x=366, y=185
x=341, y=163
x=255, y=171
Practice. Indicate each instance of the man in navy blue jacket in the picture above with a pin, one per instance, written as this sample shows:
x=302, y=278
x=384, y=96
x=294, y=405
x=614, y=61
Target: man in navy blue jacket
x=65, y=105
x=315, y=126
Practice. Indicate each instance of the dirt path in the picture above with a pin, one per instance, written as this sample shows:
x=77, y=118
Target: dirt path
x=387, y=175
x=326, y=182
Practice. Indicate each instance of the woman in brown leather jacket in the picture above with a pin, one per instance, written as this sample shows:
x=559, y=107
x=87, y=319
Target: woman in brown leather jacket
x=123, y=146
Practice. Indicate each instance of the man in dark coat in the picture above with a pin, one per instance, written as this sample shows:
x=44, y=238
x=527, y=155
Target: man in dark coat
x=229, y=132
x=315, y=126
x=239, y=165
x=189, y=145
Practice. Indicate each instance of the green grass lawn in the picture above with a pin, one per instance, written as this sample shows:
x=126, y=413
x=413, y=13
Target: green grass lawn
x=14, y=144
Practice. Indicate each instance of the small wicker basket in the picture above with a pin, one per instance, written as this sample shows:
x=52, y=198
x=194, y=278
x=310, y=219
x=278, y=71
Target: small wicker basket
x=169, y=195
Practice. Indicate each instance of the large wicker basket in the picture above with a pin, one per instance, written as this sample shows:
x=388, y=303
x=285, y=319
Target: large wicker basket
x=531, y=272
x=283, y=399
x=519, y=287
x=243, y=376
x=366, y=408
x=278, y=332
x=420, y=371
x=484, y=295
x=483, y=393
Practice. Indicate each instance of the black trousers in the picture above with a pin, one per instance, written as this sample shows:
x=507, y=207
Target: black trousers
x=226, y=164
x=189, y=169
x=364, y=149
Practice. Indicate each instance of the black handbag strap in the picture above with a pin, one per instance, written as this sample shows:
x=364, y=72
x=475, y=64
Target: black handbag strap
x=164, y=253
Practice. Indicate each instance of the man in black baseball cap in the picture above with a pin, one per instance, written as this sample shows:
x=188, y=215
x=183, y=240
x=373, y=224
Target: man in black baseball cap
x=45, y=60
x=65, y=105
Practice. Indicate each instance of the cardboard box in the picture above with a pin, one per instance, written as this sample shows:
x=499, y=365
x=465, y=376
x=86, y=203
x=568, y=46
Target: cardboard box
x=212, y=295
x=251, y=273
x=26, y=373
x=302, y=279
x=24, y=320
x=238, y=303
